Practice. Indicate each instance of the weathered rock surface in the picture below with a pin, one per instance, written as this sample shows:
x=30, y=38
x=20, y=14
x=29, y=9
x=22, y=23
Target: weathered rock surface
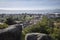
x=13, y=32
x=37, y=36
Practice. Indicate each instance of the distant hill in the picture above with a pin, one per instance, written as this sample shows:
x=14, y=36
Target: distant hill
x=29, y=11
x=56, y=11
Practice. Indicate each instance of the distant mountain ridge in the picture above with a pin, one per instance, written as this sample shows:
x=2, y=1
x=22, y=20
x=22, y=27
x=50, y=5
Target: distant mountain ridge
x=29, y=11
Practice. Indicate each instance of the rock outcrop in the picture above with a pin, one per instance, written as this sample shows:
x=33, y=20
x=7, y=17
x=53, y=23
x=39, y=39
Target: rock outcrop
x=37, y=36
x=13, y=32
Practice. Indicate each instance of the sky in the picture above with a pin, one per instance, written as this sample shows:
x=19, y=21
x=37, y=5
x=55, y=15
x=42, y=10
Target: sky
x=29, y=4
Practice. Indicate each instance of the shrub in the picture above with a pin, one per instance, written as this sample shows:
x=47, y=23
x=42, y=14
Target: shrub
x=3, y=26
x=56, y=34
x=10, y=21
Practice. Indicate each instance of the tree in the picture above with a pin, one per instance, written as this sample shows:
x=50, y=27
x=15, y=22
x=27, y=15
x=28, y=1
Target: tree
x=10, y=21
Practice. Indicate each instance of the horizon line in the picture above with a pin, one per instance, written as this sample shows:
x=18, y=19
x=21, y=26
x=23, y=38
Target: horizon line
x=26, y=9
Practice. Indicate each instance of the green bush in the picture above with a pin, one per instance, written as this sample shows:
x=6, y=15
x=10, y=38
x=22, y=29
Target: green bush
x=56, y=34
x=10, y=21
x=3, y=26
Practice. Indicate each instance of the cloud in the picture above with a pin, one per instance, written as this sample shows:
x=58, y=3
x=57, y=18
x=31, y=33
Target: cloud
x=30, y=4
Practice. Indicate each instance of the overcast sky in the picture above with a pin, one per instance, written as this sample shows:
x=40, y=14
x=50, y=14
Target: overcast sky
x=29, y=4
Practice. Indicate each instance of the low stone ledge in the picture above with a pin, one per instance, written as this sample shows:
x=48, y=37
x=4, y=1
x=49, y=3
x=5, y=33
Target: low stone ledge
x=13, y=32
x=37, y=36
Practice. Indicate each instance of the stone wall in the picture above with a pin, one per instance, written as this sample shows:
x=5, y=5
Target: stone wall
x=11, y=33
